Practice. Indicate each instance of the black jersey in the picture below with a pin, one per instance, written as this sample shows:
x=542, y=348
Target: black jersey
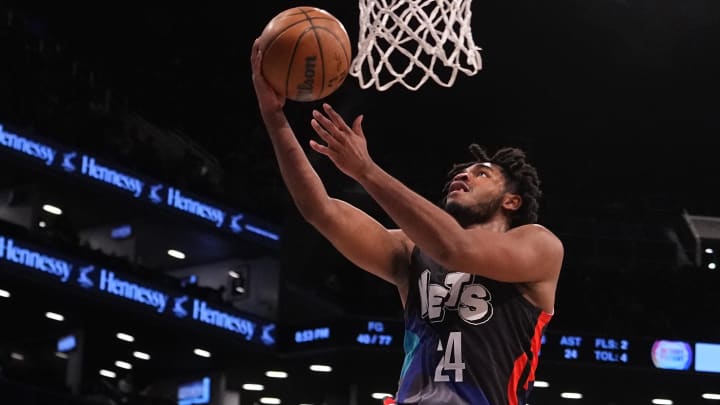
x=468, y=339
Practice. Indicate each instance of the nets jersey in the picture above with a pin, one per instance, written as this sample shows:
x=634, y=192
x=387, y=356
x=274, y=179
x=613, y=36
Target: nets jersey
x=468, y=339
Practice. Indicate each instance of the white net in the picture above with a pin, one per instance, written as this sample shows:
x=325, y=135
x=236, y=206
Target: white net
x=410, y=41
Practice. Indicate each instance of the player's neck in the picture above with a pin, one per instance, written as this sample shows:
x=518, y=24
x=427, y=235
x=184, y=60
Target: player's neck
x=498, y=223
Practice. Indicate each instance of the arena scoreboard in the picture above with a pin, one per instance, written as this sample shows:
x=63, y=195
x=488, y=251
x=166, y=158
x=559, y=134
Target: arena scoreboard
x=558, y=347
x=628, y=351
x=350, y=332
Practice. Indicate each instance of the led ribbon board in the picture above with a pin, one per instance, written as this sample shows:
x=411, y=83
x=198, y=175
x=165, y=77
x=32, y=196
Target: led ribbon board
x=556, y=346
x=367, y=333
x=35, y=263
x=95, y=171
x=633, y=352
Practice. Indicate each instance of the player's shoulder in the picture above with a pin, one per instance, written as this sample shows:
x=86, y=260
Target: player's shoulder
x=541, y=228
x=534, y=228
x=541, y=232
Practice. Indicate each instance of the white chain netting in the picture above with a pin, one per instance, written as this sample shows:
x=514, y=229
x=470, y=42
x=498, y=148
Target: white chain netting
x=410, y=41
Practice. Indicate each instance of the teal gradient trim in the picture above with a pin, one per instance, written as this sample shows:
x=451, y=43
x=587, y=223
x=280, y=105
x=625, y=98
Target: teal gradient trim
x=410, y=344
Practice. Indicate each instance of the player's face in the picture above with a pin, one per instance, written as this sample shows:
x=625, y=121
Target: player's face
x=476, y=193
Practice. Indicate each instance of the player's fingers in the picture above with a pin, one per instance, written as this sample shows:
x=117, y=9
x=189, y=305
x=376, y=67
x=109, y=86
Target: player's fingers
x=324, y=134
x=357, y=126
x=329, y=126
x=255, y=55
x=336, y=118
x=258, y=79
x=322, y=149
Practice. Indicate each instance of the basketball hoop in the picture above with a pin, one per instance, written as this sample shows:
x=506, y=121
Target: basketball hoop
x=410, y=41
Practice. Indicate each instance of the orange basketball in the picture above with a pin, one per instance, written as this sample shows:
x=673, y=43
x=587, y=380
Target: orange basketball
x=305, y=53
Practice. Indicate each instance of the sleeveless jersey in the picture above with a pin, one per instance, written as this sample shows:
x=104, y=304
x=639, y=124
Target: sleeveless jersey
x=469, y=340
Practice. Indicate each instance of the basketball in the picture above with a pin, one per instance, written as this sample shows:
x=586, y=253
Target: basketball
x=306, y=53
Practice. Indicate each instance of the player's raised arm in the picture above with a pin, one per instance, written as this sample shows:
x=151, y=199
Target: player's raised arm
x=471, y=234
x=359, y=237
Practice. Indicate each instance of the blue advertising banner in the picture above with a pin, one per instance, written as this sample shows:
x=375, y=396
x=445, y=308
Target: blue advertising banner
x=124, y=289
x=46, y=154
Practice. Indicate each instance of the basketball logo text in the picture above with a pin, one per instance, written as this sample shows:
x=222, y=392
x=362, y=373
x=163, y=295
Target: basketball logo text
x=458, y=293
x=306, y=87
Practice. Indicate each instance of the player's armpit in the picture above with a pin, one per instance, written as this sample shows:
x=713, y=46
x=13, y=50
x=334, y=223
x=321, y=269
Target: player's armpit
x=364, y=241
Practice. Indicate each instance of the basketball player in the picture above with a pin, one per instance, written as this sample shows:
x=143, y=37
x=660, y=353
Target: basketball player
x=477, y=279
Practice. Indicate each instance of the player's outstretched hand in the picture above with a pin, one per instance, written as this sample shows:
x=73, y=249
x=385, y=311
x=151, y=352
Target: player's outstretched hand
x=344, y=145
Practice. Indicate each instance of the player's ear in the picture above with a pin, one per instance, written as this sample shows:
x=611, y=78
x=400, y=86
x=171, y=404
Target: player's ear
x=512, y=202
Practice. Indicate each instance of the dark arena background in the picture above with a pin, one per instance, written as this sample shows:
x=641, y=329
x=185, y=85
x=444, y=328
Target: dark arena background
x=150, y=253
